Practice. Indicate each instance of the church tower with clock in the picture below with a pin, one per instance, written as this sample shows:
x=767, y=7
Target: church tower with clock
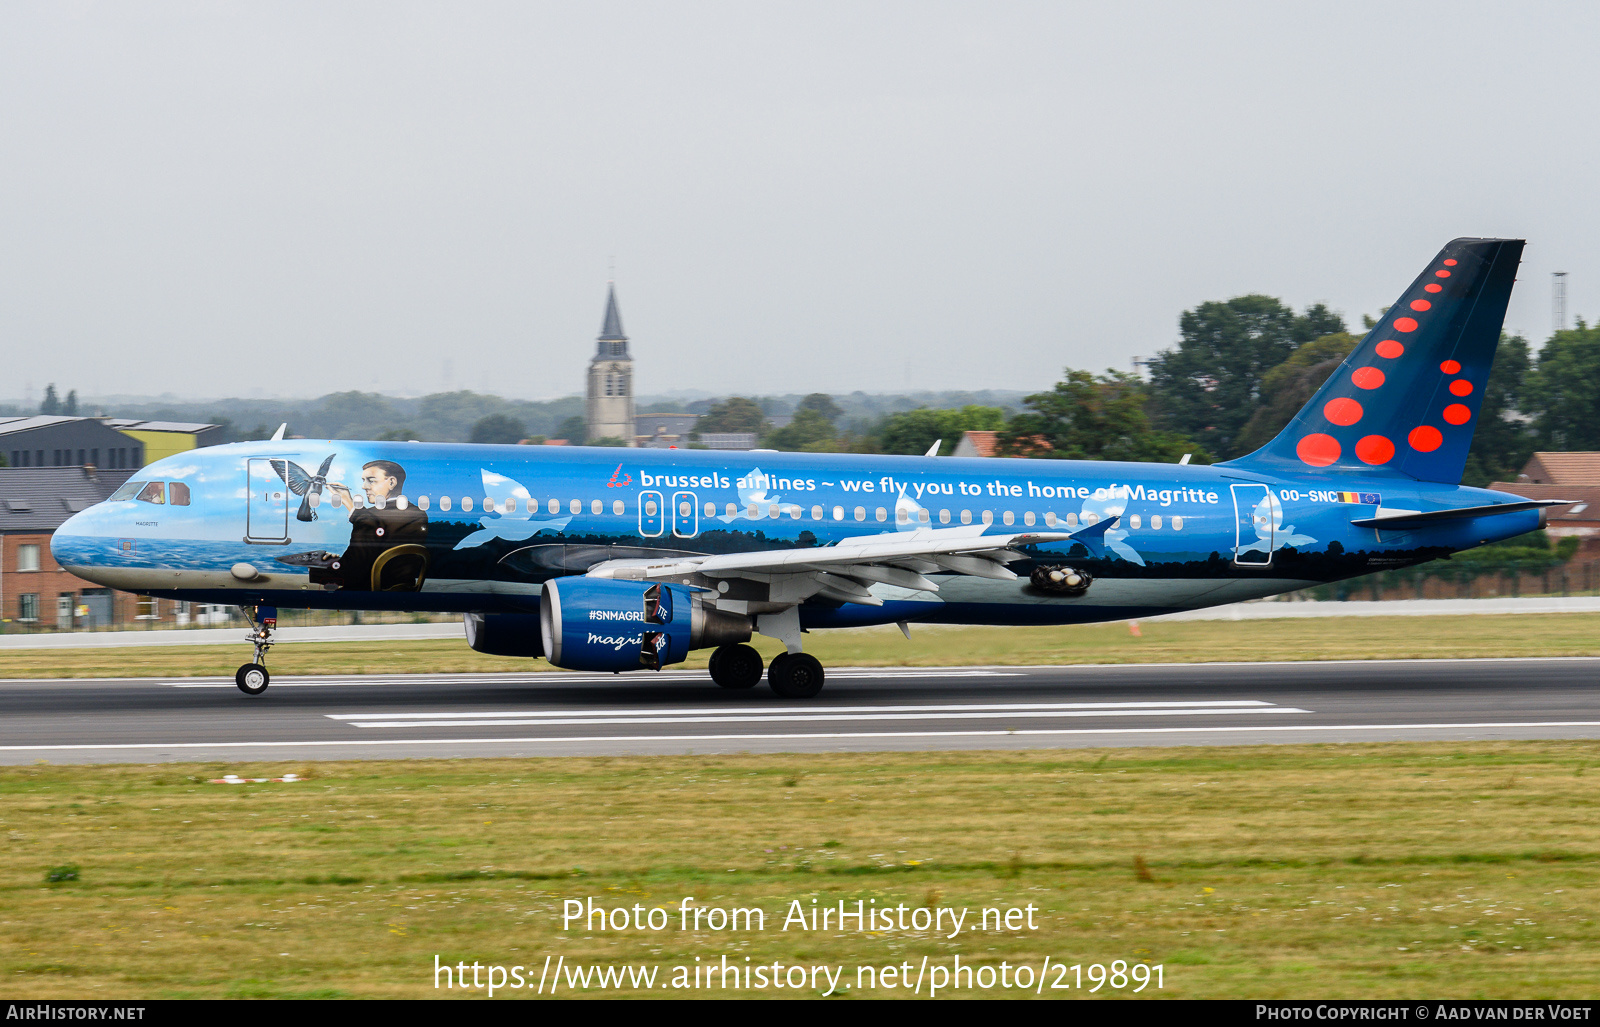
x=608, y=413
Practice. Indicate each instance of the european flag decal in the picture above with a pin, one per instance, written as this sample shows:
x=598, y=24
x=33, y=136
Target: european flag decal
x=1364, y=498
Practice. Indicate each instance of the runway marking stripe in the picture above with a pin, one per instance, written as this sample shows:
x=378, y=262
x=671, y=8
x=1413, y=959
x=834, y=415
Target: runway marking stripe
x=576, y=679
x=560, y=721
x=802, y=737
x=703, y=711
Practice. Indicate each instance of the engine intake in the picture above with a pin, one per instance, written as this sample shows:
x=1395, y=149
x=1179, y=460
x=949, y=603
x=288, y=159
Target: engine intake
x=616, y=625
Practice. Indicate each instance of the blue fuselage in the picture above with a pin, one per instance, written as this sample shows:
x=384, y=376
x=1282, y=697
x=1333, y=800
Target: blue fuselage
x=418, y=526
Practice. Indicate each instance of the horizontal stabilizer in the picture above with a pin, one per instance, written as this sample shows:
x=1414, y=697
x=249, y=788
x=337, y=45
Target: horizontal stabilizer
x=1415, y=519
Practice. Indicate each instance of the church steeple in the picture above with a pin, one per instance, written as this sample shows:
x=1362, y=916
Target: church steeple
x=613, y=343
x=608, y=412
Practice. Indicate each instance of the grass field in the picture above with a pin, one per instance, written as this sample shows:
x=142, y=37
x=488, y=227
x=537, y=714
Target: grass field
x=1403, y=870
x=1334, y=638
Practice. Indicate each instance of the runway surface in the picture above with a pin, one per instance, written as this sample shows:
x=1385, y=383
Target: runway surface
x=469, y=715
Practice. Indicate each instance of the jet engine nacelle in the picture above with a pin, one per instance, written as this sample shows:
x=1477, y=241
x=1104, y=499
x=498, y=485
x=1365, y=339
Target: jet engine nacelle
x=505, y=634
x=610, y=624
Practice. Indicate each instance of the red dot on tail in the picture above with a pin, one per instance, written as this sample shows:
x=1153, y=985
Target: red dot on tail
x=1457, y=413
x=1389, y=348
x=1450, y=367
x=1318, y=450
x=1460, y=387
x=1444, y=274
x=1367, y=377
x=1425, y=439
x=1421, y=305
x=1450, y=263
x=1433, y=288
x=1343, y=412
x=1405, y=324
x=1375, y=449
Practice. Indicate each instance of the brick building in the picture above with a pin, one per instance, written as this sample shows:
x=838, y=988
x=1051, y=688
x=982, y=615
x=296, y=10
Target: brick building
x=35, y=593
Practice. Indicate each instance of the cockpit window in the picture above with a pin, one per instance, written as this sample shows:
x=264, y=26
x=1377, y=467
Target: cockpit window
x=155, y=492
x=127, y=491
x=180, y=493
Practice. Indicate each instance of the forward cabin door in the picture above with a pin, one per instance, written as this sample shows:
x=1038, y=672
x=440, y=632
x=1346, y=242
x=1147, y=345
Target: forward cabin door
x=267, y=510
x=1253, y=535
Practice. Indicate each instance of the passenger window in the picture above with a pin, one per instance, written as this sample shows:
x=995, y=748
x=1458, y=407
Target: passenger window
x=752, y=511
x=988, y=517
x=1155, y=521
x=400, y=502
x=879, y=513
x=1133, y=521
x=576, y=506
x=733, y=510
x=155, y=492
x=944, y=516
x=444, y=502
x=838, y=513
x=1009, y=517
x=554, y=506
x=1177, y=523
x=922, y=516
x=650, y=509
x=816, y=513
x=966, y=517
x=126, y=492
x=794, y=513
x=861, y=513
x=618, y=507
x=179, y=493
x=597, y=507
x=1050, y=518
x=1072, y=520
x=466, y=504
x=1027, y=518
x=488, y=504
x=711, y=509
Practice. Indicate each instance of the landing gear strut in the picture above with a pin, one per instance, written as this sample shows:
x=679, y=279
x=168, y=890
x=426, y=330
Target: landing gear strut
x=736, y=666
x=252, y=678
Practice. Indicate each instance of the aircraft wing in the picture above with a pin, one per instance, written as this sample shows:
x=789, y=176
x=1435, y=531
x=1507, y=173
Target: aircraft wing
x=846, y=571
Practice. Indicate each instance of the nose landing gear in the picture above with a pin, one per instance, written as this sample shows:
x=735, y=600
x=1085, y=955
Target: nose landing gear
x=252, y=678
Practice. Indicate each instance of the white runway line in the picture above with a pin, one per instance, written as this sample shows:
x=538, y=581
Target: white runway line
x=561, y=718
x=839, y=736
x=581, y=679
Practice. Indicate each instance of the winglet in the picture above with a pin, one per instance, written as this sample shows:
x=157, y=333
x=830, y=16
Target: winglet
x=277, y=436
x=933, y=450
x=1093, y=537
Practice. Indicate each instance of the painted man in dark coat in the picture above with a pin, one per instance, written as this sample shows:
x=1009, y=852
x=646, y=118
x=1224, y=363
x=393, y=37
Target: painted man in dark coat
x=375, y=528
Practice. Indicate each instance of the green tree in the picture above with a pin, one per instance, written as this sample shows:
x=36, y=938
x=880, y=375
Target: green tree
x=573, y=429
x=913, y=431
x=498, y=429
x=1503, y=440
x=52, y=403
x=1290, y=386
x=608, y=440
x=1208, y=388
x=70, y=406
x=1566, y=390
x=398, y=435
x=1089, y=417
x=810, y=430
x=734, y=414
x=821, y=403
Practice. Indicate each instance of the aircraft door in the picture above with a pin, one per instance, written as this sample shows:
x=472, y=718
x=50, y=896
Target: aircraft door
x=1253, y=527
x=267, y=515
x=685, y=514
x=652, y=514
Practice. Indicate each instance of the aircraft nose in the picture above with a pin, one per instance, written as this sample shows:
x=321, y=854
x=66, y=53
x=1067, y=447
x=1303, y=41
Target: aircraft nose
x=74, y=543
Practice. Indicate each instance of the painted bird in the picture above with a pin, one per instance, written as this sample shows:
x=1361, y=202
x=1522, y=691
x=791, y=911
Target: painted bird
x=302, y=484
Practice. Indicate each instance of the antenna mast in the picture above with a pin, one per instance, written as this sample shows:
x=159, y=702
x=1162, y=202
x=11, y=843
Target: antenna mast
x=1558, y=301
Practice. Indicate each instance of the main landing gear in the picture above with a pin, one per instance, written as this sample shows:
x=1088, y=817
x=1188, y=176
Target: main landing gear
x=792, y=675
x=252, y=678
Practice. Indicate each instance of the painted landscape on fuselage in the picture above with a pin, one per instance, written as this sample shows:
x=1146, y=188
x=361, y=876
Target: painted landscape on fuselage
x=495, y=522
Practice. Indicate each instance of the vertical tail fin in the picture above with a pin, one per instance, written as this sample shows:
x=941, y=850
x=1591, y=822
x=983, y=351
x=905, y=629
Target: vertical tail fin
x=1405, y=402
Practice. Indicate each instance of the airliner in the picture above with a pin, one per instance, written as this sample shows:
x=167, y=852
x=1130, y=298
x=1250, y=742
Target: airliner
x=603, y=559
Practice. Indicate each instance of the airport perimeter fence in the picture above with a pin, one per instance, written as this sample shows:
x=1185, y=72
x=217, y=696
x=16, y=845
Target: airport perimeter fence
x=231, y=616
x=1428, y=581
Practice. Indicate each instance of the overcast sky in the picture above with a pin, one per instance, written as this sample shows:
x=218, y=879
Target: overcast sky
x=221, y=198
